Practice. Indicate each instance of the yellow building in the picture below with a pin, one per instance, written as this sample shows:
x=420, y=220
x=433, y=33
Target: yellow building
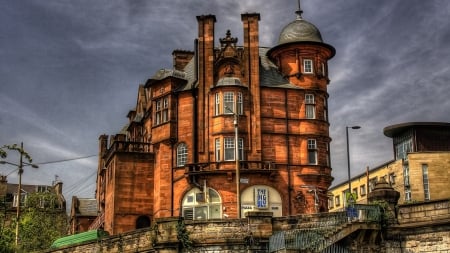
x=420, y=170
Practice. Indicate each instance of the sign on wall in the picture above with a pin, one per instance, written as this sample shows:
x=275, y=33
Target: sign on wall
x=261, y=198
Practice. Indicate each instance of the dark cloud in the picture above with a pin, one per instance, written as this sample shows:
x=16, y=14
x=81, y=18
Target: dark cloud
x=69, y=70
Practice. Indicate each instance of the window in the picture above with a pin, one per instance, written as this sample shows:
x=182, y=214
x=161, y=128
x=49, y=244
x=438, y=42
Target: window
x=228, y=102
x=408, y=194
x=307, y=66
x=182, y=153
x=372, y=183
x=355, y=192
x=328, y=155
x=162, y=110
x=23, y=198
x=199, y=205
x=217, y=104
x=337, y=200
x=229, y=150
x=240, y=104
x=403, y=148
x=391, y=178
x=325, y=109
x=406, y=174
x=426, y=185
x=330, y=202
x=310, y=109
x=362, y=190
x=312, y=151
x=217, y=151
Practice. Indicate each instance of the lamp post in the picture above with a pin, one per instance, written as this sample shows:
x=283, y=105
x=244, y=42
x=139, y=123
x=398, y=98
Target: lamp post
x=348, y=163
x=236, y=154
x=19, y=187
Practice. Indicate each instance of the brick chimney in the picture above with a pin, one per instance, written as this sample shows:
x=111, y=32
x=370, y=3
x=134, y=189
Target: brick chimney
x=181, y=58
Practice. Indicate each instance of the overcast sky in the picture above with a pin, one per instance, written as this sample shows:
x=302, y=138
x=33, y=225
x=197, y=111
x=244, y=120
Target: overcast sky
x=70, y=70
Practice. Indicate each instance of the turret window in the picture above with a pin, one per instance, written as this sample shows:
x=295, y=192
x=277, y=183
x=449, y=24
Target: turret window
x=312, y=151
x=307, y=66
x=310, y=106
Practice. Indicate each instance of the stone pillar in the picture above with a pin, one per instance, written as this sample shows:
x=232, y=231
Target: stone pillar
x=387, y=197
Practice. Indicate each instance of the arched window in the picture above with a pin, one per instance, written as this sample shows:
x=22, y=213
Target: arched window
x=142, y=222
x=199, y=205
x=182, y=153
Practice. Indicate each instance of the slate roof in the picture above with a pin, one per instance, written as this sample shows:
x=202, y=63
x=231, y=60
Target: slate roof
x=86, y=207
x=269, y=74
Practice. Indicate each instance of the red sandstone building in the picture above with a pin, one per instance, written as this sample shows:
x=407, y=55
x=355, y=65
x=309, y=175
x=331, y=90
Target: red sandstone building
x=178, y=156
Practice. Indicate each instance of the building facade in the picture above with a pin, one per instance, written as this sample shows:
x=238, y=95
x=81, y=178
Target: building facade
x=82, y=213
x=230, y=129
x=420, y=170
x=9, y=198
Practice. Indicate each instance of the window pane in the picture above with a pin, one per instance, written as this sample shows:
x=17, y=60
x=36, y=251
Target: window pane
x=310, y=112
x=309, y=99
x=229, y=149
x=240, y=104
x=217, y=149
x=312, y=157
x=214, y=212
x=200, y=212
x=228, y=102
x=182, y=153
x=217, y=104
x=307, y=66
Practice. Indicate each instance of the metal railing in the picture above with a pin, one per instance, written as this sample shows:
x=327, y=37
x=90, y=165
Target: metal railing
x=316, y=233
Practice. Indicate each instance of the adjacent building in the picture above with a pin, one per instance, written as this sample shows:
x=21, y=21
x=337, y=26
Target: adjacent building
x=82, y=213
x=10, y=199
x=420, y=170
x=231, y=128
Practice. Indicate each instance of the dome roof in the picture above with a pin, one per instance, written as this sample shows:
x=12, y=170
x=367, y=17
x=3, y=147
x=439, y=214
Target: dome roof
x=299, y=30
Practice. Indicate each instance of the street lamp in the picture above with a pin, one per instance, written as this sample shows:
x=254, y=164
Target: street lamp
x=348, y=164
x=236, y=154
x=19, y=187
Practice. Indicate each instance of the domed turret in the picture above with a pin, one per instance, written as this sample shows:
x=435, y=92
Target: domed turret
x=299, y=30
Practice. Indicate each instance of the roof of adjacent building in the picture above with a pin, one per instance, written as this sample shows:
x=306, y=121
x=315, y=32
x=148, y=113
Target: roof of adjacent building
x=394, y=130
x=85, y=206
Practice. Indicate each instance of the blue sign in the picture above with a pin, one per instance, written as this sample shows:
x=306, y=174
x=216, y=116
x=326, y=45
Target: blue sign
x=261, y=198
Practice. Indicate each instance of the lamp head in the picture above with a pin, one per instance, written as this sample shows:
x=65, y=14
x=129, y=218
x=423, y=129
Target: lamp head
x=355, y=127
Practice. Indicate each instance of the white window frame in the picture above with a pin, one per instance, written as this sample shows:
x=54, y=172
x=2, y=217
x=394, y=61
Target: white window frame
x=217, y=104
x=426, y=182
x=307, y=66
x=310, y=106
x=182, y=154
x=228, y=102
x=161, y=110
x=228, y=146
x=217, y=149
x=240, y=103
x=312, y=151
x=198, y=205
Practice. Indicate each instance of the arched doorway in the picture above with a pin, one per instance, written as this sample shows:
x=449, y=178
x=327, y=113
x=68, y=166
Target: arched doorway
x=142, y=222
